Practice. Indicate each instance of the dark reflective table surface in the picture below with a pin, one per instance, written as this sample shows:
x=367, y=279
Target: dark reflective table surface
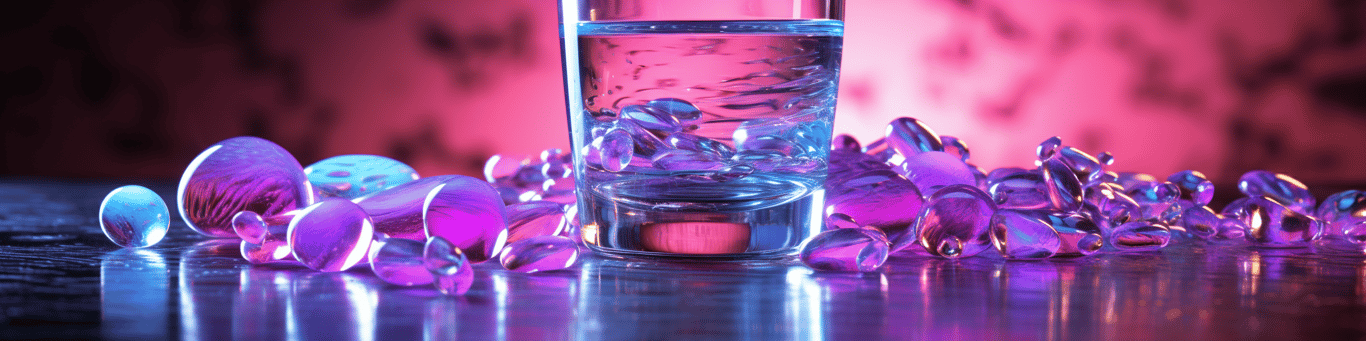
x=60, y=278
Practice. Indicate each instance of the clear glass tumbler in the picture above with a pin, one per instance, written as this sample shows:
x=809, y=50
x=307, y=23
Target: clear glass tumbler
x=701, y=128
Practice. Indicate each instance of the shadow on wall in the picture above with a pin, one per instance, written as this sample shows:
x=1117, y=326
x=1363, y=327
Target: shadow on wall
x=137, y=88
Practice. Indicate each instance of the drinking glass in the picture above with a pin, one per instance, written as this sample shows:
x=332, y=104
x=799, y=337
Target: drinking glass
x=701, y=128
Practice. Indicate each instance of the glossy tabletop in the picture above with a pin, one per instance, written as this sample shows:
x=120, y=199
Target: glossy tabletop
x=60, y=278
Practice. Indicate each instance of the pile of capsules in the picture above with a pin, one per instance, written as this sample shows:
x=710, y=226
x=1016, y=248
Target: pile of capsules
x=912, y=192
x=352, y=210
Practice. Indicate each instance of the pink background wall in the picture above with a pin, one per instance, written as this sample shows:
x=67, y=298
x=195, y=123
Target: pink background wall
x=132, y=89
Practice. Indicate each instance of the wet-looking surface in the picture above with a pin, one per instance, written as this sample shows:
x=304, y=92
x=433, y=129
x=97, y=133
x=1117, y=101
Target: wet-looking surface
x=61, y=278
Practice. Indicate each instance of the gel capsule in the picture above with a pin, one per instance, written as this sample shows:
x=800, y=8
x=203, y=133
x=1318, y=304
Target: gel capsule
x=878, y=198
x=908, y=136
x=450, y=269
x=134, y=216
x=264, y=239
x=1271, y=224
x=1078, y=234
x=1108, y=206
x=1194, y=186
x=855, y=249
x=956, y=147
x=1279, y=187
x=955, y=222
x=1201, y=222
x=535, y=218
x=932, y=170
x=397, y=212
x=350, y=176
x=468, y=213
x=1047, y=148
x=845, y=142
x=240, y=174
x=540, y=253
x=614, y=148
x=679, y=109
x=399, y=261
x=1023, y=190
x=1081, y=163
x=1350, y=240
x=1154, y=197
x=331, y=235
x=1140, y=236
x=1342, y=210
x=1023, y=235
x=1061, y=184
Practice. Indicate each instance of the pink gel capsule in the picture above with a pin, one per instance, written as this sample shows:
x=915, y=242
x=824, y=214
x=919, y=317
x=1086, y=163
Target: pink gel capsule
x=542, y=253
x=849, y=249
x=240, y=174
x=469, y=213
x=448, y=265
x=331, y=235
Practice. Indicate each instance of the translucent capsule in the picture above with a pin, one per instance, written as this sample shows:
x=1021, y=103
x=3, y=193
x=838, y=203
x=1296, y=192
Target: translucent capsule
x=840, y=221
x=932, y=170
x=469, y=214
x=953, y=145
x=397, y=212
x=677, y=108
x=955, y=222
x=1201, y=222
x=979, y=175
x=1172, y=216
x=264, y=239
x=1078, y=234
x=1019, y=191
x=1349, y=240
x=694, y=143
x=877, y=198
x=1047, y=148
x=1105, y=158
x=1140, y=236
x=1020, y=234
x=240, y=174
x=651, y=119
x=845, y=142
x=500, y=166
x=615, y=149
x=534, y=218
x=749, y=131
x=1230, y=232
x=540, y=253
x=1154, y=197
x=450, y=269
x=1279, y=187
x=350, y=176
x=1130, y=180
x=558, y=190
x=1271, y=224
x=1061, y=184
x=331, y=235
x=908, y=136
x=556, y=164
x=855, y=249
x=1194, y=186
x=1342, y=210
x=399, y=261
x=687, y=160
x=134, y=216
x=774, y=144
x=880, y=150
x=1108, y=206
x=1081, y=163
x=1001, y=174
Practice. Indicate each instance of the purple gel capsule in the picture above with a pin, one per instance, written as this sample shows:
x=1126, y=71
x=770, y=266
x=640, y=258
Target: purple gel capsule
x=687, y=160
x=1342, y=210
x=1201, y=222
x=1231, y=232
x=679, y=109
x=1108, y=206
x=908, y=136
x=535, y=218
x=1023, y=191
x=1140, y=236
x=331, y=235
x=264, y=239
x=450, y=269
x=134, y=216
x=877, y=198
x=690, y=142
x=955, y=147
x=955, y=222
x=1130, y=180
x=649, y=118
x=1048, y=148
x=540, y=253
x=1081, y=163
x=500, y=166
x=1270, y=224
x=856, y=249
x=1194, y=186
x=1061, y=184
x=469, y=214
x=845, y=142
x=240, y=174
x=1153, y=197
x=615, y=149
x=1020, y=234
x=1078, y=234
x=558, y=190
x=932, y=170
x=840, y=221
x=1349, y=240
x=399, y=261
x=397, y=212
x=1279, y=187
x=350, y=176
